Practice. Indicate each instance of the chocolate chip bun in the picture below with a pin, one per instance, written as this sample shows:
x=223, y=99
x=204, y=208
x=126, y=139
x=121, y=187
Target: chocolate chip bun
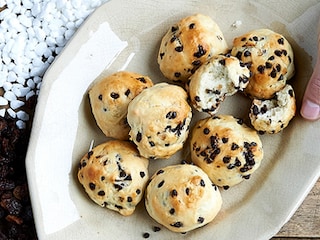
x=270, y=58
x=226, y=149
x=109, y=99
x=188, y=44
x=221, y=76
x=114, y=176
x=159, y=118
x=273, y=115
x=182, y=198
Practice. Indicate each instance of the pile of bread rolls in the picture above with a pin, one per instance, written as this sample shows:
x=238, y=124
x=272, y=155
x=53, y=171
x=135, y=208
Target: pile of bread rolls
x=150, y=121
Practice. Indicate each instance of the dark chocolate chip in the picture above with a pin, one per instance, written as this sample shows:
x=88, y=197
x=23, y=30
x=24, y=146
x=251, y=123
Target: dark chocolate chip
x=177, y=224
x=202, y=183
x=206, y=131
x=174, y=193
x=101, y=193
x=179, y=48
x=114, y=95
x=142, y=174
x=161, y=184
x=142, y=79
x=200, y=52
x=171, y=115
x=200, y=220
x=281, y=41
x=139, y=137
x=92, y=186
x=172, y=211
x=177, y=74
x=234, y=146
x=127, y=92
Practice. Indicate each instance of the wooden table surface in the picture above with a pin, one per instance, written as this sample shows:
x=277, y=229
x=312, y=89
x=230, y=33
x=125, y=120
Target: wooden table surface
x=305, y=223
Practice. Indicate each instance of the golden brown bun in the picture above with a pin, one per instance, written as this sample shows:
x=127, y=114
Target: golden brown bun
x=114, y=176
x=270, y=58
x=226, y=149
x=109, y=99
x=159, y=118
x=182, y=198
x=188, y=44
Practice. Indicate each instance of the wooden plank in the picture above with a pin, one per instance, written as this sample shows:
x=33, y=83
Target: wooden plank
x=305, y=223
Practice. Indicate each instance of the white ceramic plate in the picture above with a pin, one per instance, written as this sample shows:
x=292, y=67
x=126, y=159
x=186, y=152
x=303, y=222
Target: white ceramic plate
x=126, y=35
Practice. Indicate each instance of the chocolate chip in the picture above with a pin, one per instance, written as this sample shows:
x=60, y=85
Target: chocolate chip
x=114, y=95
x=179, y=48
x=173, y=39
x=239, y=54
x=226, y=159
x=247, y=53
x=171, y=115
x=202, y=183
x=101, y=193
x=222, y=62
x=197, y=99
x=92, y=186
x=271, y=58
x=117, y=187
x=225, y=140
x=160, y=172
x=196, y=63
x=261, y=69
x=142, y=174
x=255, y=110
x=281, y=41
x=201, y=52
x=172, y=211
x=291, y=93
x=146, y=235
x=192, y=26
x=141, y=79
x=174, y=193
x=278, y=53
x=200, y=220
x=156, y=228
x=273, y=73
x=177, y=74
x=139, y=137
x=100, y=97
x=264, y=109
x=127, y=92
x=177, y=224
x=174, y=28
x=234, y=146
x=90, y=153
x=206, y=131
x=161, y=184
